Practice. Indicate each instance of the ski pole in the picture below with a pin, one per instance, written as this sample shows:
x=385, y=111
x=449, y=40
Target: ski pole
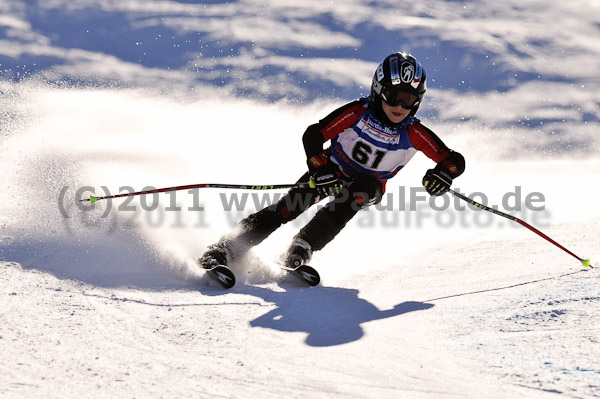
x=93, y=199
x=584, y=262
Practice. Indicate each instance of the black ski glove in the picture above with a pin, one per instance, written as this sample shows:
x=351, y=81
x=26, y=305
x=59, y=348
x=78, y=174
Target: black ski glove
x=324, y=177
x=437, y=181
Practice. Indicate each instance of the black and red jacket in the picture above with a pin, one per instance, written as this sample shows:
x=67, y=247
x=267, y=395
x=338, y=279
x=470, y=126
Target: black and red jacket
x=364, y=146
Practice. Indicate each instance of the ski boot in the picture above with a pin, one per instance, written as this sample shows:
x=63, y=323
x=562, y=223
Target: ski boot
x=295, y=262
x=215, y=256
x=298, y=254
x=215, y=261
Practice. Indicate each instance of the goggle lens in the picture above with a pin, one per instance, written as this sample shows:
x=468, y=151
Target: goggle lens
x=396, y=97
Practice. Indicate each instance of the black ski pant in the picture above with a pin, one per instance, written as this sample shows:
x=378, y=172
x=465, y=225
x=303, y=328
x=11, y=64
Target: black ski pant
x=320, y=230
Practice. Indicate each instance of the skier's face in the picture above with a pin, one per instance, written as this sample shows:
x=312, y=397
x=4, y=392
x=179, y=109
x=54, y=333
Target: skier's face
x=395, y=114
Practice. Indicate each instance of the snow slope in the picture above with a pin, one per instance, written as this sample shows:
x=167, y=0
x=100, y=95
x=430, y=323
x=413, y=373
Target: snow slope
x=419, y=303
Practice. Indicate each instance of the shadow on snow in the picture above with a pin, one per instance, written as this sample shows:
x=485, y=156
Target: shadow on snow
x=329, y=315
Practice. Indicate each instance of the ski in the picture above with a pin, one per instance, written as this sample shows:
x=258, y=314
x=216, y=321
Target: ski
x=222, y=274
x=226, y=278
x=306, y=273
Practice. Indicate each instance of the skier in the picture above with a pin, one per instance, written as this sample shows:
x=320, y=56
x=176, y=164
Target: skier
x=372, y=139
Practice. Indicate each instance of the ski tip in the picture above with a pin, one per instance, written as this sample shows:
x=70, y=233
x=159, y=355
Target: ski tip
x=223, y=275
x=309, y=275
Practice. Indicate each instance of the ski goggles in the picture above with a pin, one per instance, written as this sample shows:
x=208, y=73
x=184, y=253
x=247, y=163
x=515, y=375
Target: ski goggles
x=395, y=97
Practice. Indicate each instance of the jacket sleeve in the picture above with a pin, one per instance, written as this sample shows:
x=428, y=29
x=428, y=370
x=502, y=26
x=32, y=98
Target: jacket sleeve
x=328, y=128
x=433, y=147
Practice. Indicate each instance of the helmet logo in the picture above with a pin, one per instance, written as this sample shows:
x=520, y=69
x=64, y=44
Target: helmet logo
x=394, y=71
x=380, y=74
x=418, y=75
x=408, y=72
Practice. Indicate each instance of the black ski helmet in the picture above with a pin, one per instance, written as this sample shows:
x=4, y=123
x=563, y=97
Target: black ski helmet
x=399, y=79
